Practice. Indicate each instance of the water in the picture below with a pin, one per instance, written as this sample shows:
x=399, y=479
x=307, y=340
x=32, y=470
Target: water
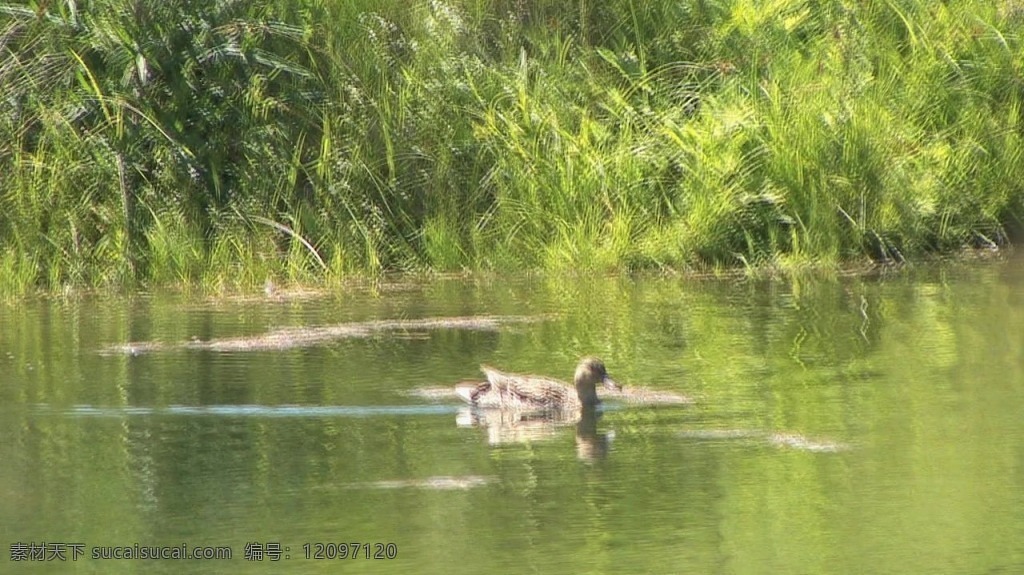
x=857, y=425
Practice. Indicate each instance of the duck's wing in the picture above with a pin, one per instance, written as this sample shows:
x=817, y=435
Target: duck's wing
x=528, y=390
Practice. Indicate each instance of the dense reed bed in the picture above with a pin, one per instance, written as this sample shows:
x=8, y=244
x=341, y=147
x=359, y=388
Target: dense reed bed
x=224, y=142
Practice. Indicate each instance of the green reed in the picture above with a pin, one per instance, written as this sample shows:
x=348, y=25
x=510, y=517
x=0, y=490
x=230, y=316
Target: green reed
x=225, y=143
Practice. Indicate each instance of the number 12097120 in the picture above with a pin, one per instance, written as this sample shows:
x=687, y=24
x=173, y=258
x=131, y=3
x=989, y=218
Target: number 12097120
x=352, y=550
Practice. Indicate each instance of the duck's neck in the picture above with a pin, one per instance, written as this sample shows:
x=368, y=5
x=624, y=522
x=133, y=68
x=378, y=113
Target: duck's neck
x=587, y=395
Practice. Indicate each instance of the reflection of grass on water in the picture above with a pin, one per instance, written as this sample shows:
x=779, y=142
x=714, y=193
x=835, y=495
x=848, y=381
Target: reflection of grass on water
x=301, y=140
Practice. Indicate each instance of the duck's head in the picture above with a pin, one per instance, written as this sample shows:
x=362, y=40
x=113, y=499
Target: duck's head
x=589, y=373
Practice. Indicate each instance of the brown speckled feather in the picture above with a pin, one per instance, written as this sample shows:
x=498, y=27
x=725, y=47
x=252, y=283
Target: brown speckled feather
x=514, y=391
x=525, y=393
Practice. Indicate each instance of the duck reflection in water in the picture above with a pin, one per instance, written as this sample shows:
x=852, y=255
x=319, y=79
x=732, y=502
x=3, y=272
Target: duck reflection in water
x=509, y=428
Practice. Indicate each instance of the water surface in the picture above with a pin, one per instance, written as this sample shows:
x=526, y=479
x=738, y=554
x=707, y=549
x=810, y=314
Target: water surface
x=853, y=425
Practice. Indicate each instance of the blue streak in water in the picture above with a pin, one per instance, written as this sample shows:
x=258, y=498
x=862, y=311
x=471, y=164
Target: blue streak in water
x=251, y=410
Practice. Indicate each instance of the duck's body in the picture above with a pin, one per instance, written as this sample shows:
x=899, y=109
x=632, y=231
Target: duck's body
x=521, y=393
x=516, y=392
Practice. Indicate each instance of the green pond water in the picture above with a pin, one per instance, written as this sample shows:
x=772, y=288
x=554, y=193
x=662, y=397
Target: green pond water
x=855, y=425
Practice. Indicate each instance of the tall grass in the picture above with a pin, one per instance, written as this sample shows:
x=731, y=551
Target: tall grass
x=222, y=143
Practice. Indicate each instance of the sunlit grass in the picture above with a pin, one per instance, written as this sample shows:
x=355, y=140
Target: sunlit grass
x=253, y=143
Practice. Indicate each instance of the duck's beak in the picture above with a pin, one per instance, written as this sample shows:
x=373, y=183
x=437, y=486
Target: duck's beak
x=610, y=384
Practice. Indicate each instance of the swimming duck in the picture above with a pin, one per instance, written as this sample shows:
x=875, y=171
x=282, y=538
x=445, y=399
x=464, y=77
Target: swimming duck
x=512, y=391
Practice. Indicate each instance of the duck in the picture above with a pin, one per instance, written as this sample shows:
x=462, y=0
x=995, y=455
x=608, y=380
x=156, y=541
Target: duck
x=528, y=393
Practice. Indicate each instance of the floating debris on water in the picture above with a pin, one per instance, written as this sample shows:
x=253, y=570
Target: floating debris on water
x=288, y=338
x=439, y=483
x=646, y=396
x=134, y=348
x=296, y=337
x=805, y=444
x=720, y=433
x=790, y=440
x=434, y=393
